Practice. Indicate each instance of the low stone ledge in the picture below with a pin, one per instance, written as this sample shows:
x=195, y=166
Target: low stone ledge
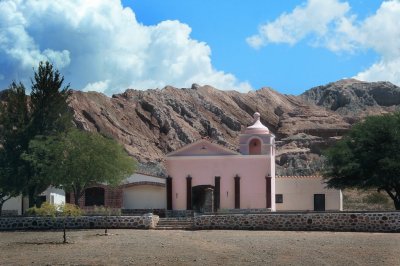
x=147, y=221
x=348, y=222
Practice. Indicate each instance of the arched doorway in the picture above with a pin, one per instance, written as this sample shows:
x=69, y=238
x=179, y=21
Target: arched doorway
x=94, y=196
x=203, y=198
x=255, y=147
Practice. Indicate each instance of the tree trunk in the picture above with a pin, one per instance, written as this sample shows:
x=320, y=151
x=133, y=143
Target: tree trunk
x=64, y=231
x=1, y=207
x=77, y=196
x=32, y=199
x=397, y=203
x=394, y=196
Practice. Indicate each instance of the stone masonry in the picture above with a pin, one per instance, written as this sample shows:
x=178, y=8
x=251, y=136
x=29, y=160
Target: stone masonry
x=324, y=221
x=147, y=221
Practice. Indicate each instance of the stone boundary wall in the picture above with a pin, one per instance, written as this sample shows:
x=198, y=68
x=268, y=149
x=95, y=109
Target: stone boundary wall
x=81, y=222
x=336, y=221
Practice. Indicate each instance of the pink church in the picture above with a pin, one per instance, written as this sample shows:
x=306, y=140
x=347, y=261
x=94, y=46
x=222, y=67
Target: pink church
x=207, y=177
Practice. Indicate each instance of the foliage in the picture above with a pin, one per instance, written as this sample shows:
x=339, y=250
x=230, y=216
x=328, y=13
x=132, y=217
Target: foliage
x=14, y=118
x=77, y=160
x=69, y=210
x=375, y=198
x=50, y=115
x=368, y=157
x=47, y=113
x=49, y=102
x=46, y=209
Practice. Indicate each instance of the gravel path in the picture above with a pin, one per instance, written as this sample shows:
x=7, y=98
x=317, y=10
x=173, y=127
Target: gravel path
x=141, y=247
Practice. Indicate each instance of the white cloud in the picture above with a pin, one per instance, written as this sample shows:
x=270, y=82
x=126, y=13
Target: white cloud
x=329, y=24
x=314, y=17
x=99, y=45
x=381, y=32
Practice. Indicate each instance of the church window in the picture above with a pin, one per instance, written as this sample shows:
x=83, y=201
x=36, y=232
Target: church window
x=279, y=198
x=255, y=147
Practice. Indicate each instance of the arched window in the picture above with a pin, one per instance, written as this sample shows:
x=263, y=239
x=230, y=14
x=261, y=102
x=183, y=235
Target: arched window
x=94, y=196
x=255, y=147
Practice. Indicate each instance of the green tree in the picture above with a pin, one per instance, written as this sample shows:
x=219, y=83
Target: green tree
x=50, y=115
x=368, y=157
x=49, y=102
x=78, y=159
x=14, y=118
x=46, y=114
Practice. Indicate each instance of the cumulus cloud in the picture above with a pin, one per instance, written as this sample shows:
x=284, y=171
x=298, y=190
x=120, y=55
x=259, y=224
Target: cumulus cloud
x=99, y=45
x=314, y=17
x=330, y=24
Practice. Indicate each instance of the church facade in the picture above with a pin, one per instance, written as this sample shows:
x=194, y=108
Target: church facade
x=207, y=177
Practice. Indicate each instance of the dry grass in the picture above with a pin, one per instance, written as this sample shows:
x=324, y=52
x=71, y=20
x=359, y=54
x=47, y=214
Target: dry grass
x=366, y=200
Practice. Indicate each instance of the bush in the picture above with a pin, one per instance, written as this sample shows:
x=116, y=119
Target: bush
x=48, y=209
x=376, y=198
x=70, y=210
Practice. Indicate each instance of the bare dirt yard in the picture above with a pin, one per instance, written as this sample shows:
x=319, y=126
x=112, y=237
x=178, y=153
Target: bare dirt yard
x=150, y=247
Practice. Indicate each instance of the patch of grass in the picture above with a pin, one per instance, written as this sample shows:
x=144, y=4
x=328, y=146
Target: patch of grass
x=366, y=200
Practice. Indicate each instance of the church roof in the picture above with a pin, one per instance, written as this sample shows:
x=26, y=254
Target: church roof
x=257, y=127
x=202, y=147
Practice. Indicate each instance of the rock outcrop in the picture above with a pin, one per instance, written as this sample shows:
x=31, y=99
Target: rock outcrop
x=355, y=99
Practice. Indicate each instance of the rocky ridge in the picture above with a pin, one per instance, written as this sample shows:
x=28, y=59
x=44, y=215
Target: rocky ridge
x=152, y=123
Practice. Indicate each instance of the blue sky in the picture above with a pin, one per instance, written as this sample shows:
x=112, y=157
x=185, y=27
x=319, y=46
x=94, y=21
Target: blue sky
x=291, y=46
x=225, y=25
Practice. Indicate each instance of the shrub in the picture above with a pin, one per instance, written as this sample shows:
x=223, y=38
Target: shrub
x=376, y=198
x=48, y=209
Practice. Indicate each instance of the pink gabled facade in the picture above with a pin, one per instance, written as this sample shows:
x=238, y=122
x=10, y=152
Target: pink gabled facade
x=244, y=180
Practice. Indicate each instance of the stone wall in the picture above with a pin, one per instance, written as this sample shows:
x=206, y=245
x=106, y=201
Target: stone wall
x=324, y=221
x=82, y=222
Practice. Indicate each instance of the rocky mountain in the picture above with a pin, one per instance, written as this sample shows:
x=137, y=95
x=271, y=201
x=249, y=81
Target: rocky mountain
x=355, y=99
x=152, y=123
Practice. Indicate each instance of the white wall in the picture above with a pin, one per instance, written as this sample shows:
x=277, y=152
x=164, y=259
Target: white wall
x=298, y=194
x=54, y=195
x=144, y=197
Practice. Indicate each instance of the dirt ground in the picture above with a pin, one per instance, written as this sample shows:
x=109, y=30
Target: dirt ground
x=150, y=247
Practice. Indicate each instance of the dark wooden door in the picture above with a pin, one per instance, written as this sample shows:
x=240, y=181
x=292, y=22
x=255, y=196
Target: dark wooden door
x=319, y=202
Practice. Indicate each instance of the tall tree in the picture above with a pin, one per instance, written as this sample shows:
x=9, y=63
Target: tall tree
x=50, y=115
x=49, y=102
x=368, y=157
x=14, y=119
x=79, y=159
